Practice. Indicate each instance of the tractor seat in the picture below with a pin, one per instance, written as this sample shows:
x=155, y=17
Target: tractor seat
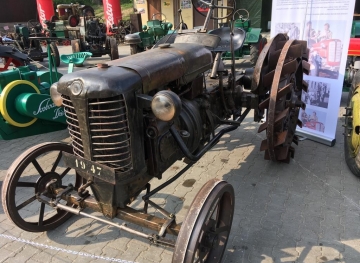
x=76, y=59
x=224, y=34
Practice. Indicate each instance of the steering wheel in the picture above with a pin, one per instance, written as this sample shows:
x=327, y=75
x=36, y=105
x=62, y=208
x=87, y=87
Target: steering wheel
x=34, y=24
x=243, y=15
x=202, y=6
x=154, y=16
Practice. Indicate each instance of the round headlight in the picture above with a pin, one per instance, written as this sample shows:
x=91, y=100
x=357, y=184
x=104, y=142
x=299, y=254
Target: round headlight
x=76, y=87
x=166, y=105
x=55, y=95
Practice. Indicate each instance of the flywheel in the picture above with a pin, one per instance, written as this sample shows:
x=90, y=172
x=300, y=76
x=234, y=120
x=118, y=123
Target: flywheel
x=278, y=82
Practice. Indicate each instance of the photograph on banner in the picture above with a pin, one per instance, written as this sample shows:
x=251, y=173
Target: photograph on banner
x=324, y=39
x=318, y=94
x=291, y=29
x=313, y=119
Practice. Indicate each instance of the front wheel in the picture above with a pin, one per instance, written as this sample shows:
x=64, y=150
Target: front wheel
x=351, y=133
x=205, y=231
x=28, y=175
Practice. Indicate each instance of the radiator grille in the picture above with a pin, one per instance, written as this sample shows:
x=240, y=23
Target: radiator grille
x=73, y=126
x=110, y=135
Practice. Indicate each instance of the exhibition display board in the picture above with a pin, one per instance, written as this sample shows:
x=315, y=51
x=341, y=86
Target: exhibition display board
x=326, y=26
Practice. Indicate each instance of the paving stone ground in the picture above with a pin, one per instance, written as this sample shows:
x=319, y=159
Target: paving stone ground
x=305, y=211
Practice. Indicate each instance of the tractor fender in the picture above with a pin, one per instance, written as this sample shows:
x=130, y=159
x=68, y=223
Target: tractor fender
x=252, y=36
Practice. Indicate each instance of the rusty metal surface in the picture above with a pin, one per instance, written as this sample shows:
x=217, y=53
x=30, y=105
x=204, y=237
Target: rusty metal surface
x=160, y=66
x=210, y=214
x=281, y=67
x=127, y=214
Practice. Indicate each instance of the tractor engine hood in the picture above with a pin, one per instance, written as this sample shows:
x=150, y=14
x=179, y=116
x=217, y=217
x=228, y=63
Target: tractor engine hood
x=149, y=70
x=99, y=82
x=159, y=66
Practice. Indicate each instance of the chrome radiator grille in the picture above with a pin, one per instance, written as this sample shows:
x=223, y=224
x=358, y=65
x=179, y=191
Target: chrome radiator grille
x=110, y=135
x=73, y=126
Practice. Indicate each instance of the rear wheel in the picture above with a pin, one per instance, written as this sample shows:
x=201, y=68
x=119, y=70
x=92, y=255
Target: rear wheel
x=256, y=48
x=114, y=51
x=88, y=11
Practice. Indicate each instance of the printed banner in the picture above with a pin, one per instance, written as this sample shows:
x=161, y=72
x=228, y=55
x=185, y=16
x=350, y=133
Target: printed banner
x=326, y=26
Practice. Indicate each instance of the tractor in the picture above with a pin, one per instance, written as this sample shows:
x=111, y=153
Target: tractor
x=130, y=120
x=352, y=120
x=152, y=32
x=22, y=41
x=95, y=40
x=71, y=13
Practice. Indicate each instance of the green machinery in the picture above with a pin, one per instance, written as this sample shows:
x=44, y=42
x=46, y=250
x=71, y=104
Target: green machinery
x=26, y=107
x=152, y=32
x=254, y=42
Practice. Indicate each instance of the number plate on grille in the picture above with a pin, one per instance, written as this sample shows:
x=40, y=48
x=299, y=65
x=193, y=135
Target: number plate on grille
x=95, y=169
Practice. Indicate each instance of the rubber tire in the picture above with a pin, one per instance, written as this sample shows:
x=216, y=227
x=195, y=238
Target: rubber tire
x=72, y=19
x=352, y=162
x=134, y=49
x=55, y=51
x=256, y=49
x=114, y=50
x=89, y=9
x=54, y=19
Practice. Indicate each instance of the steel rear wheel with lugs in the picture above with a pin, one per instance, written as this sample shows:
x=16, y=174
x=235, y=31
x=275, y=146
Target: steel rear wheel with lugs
x=205, y=231
x=29, y=175
x=278, y=79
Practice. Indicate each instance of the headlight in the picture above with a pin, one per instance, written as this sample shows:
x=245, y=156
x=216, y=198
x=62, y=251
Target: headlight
x=55, y=95
x=166, y=105
x=76, y=87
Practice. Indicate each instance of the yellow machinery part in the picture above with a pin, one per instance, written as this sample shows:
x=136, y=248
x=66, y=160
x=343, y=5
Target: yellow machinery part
x=3, y=97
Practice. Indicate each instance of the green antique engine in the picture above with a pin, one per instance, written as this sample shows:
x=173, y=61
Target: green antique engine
x=152, y=32
x=25, y=105
x=254, y=42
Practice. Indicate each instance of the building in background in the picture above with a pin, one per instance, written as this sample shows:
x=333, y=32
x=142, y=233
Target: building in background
x=13, y=11
x=260, y=11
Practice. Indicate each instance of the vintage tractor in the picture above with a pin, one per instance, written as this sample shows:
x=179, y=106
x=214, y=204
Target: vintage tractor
x=131, y=119
x=152, y=32
x=352, y=120
x=22, y=41
x=60, y=29
x=96, y=41
x=325, y=56
x=72, y=13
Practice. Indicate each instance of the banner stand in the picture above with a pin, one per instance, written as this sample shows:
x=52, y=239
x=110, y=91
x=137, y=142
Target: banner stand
x=303, y=135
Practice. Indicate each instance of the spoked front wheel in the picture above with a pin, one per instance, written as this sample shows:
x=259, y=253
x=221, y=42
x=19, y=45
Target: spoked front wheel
x=28, y=175
x=205, y=231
